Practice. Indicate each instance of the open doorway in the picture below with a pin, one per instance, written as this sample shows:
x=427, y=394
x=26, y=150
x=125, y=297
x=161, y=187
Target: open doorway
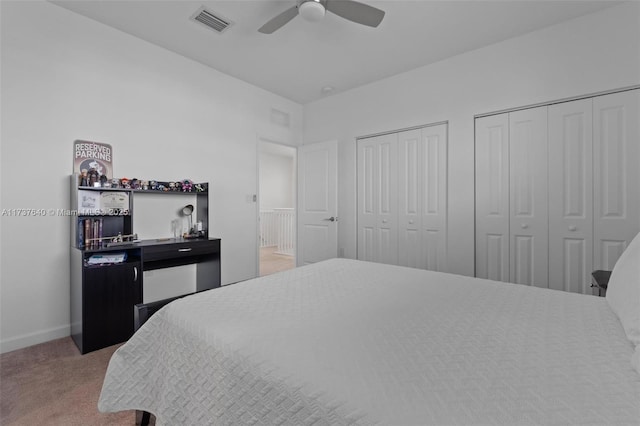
x=277, y=207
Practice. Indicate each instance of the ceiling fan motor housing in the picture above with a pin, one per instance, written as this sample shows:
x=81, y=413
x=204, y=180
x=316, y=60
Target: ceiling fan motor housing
x=311, y=10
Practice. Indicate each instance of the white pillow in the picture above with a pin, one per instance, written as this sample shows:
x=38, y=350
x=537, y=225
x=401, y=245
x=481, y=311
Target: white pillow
x=623, y=290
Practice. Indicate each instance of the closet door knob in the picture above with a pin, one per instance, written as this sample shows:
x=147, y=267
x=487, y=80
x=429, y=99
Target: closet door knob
x=410, y=222
x=384, y=220
x=573, y=228
x=524, y=226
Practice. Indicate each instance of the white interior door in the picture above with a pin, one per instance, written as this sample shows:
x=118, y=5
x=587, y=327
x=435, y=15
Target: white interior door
x=422, y=194
x=410, y=251
x=616, y=150
x=570, y=196
x=378, y=199
x=317, y=202
x=434, y=197
x=528, y=197
x=492, y=197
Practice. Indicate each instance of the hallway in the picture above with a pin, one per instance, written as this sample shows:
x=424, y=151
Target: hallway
x=271, y=262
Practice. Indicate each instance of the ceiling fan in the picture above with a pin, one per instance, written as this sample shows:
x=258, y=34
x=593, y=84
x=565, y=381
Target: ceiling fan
x=314, y=10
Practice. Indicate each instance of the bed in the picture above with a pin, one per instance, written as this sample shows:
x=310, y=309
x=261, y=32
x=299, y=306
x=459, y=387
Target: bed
x=346, y=342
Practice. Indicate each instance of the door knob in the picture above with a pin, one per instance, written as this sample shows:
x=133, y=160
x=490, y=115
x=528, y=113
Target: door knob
x=384, y=220
x=573, y=228
x=331, y=219
x=411, y=222
x=524, y=226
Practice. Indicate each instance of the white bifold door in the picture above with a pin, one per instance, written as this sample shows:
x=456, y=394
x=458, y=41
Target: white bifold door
x=557, y=190
x=402, y=184
x=616, y=173
x=570, y=195
x=511, y=197
x=378, y=199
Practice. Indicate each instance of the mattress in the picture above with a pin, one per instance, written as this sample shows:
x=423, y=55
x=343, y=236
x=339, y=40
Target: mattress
x=346, y=342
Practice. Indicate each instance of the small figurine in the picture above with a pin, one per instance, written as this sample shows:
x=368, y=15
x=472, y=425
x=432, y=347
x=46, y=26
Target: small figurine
x=94, y=177
x=125, y=183
x=104, y=181
x=135, y=183
x=198, y=187
x=153, y=185
x=187, y=185
x=84, y=181
x=144, y=185
x=115, y=183
x=161, y=187
x=172, y=186
x=179, y=186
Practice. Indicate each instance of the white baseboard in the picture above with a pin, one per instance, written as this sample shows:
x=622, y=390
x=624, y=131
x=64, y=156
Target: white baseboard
x=11, y=344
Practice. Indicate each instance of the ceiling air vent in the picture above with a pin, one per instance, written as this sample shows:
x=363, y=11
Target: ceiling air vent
x=211, y=21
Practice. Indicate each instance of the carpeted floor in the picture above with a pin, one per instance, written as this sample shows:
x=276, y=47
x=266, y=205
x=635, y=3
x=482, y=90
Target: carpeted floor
x=52, y=384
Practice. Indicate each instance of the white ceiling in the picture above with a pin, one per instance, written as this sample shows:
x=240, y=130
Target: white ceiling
x=301, y=58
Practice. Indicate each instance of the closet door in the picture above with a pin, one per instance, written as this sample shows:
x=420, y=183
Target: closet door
x=422, y=192
x=492, y=197
x=570, y=196
x=528, y=223
x=434, y=197
x=616, y=140
x=410, y=176
x=378, y=199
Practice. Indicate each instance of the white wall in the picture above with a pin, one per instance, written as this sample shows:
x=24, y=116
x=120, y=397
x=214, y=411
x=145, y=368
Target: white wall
x=593, y=53
x=276, y=181
x=65, y=77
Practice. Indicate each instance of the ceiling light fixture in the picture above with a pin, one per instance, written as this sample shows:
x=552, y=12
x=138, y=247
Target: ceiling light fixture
x=312, y=10
x=327, y=90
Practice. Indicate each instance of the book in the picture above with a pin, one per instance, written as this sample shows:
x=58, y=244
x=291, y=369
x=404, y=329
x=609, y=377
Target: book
x=87, y=232
x=81, y=242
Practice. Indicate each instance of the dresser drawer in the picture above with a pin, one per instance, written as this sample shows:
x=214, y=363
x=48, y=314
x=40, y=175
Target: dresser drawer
x=178, y=250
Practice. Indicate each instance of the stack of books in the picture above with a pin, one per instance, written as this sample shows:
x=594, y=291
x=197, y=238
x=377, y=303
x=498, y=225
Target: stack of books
x=90, y=233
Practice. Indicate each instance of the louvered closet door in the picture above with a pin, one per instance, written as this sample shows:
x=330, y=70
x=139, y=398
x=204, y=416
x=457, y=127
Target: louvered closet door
x=616, y=141
x=528, y=223
x=570, y=196
x=422, y=220
x=378, y=199
x=492, y=197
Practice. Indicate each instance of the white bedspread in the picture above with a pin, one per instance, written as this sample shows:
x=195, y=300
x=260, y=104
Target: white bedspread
x=350, y=342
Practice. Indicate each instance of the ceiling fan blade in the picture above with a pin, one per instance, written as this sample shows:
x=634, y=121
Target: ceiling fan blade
x=356, y=12
x=279, y=20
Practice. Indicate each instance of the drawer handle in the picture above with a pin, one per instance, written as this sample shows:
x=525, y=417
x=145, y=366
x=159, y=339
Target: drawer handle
x=184, y=249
